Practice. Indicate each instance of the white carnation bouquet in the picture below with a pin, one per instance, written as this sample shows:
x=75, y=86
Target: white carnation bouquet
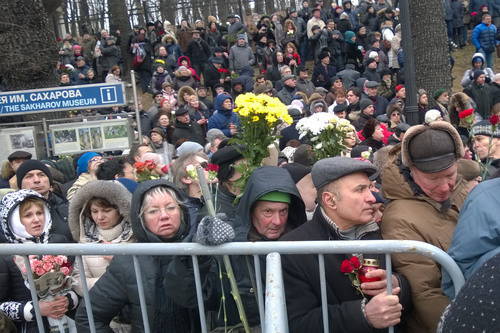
x=325, y=132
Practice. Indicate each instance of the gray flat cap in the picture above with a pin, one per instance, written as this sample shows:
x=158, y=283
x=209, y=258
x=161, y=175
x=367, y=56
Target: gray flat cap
x=327, y=170
x=371, y=84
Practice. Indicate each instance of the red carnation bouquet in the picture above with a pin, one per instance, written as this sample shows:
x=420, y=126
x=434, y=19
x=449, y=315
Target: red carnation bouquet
x=223, y=73
x=351, y=268
x=52, y=279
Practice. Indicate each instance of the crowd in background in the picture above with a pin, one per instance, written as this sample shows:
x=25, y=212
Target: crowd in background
x=392, y=180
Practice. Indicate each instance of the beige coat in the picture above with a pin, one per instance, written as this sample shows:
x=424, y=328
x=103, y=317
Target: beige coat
x=418, y=217
x=84, y=231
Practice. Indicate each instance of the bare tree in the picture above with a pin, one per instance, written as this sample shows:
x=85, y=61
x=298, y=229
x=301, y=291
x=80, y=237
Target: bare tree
x=118, y=16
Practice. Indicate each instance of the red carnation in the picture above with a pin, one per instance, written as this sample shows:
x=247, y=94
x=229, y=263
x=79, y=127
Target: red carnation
x=494, y=120
x=355, y=262
x=346, y=267
x=165, y=168
x=212, y=167
x=465, y=113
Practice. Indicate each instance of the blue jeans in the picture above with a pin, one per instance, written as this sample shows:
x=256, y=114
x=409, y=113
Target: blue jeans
x=449, y=29
x=303, y=49
x=490, y=57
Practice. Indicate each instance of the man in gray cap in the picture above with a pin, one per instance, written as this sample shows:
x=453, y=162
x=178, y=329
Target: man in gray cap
x=288, y=92
x=79, y=74
x=426, y=194
x=380, y=103
x=344, y=212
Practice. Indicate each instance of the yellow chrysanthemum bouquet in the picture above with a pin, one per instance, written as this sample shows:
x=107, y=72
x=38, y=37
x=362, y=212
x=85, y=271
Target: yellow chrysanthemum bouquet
x=260, y=117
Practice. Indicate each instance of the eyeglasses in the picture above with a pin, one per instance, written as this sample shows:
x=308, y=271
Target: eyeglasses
x=156, y=212
x=395, y=114
x=96, y=159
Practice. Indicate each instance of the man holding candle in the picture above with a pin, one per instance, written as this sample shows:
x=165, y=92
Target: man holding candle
x=344, y=212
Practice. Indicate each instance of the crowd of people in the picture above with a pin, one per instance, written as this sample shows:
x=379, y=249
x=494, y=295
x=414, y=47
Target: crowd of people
x=392, y=180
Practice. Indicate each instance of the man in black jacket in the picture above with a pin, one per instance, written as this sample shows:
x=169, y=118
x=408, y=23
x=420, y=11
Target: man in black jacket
x=187, y=128
x=344, y=212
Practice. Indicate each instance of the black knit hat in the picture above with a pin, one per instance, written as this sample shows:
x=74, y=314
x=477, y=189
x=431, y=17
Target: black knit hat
x=30, y=165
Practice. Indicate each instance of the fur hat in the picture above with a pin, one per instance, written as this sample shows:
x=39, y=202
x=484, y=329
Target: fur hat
x=431, y=148
x=373, y=54
x=369, y=127
x=391, y=108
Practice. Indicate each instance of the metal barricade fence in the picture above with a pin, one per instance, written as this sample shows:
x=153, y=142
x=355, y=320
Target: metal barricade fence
x=273, y=316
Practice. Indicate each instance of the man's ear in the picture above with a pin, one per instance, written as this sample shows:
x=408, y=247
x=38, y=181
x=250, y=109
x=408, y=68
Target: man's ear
x=329, y=200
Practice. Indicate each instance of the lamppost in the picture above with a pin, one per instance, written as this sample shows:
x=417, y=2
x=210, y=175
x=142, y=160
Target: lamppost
x=411, y=103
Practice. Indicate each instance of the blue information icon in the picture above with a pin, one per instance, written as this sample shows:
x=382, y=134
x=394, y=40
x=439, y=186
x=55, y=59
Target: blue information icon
x=108, y=95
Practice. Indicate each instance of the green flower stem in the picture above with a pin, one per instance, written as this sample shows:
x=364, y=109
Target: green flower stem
x=202, y=182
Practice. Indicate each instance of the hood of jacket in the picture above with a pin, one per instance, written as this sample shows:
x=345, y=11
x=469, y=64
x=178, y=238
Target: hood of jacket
x=480, y=55
x=164, y=39
x=179, y=61
x=219, y=100
x=114, y=192
x=142, y=234
x=322, y=102
x=247, y=71
x=264, y=180
x=275, y=59
x=11, y=226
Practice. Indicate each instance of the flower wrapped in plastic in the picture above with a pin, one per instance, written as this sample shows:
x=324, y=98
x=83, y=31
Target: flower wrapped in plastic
x=326, y=134
x=260, y=117
x=52, y=278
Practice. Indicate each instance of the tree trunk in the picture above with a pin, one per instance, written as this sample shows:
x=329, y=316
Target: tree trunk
x=431, y=51
x=85, y=25
x=140, y=13
x=18, y=67
x=269, y=7
x=118, y=16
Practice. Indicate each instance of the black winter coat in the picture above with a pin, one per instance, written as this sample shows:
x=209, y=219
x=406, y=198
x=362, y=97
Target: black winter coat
x=168, y=282
x=59, y=212
x=302, y=287
x=192, y=132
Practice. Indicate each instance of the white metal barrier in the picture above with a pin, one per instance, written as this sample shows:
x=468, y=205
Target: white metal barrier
x=275, y=318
